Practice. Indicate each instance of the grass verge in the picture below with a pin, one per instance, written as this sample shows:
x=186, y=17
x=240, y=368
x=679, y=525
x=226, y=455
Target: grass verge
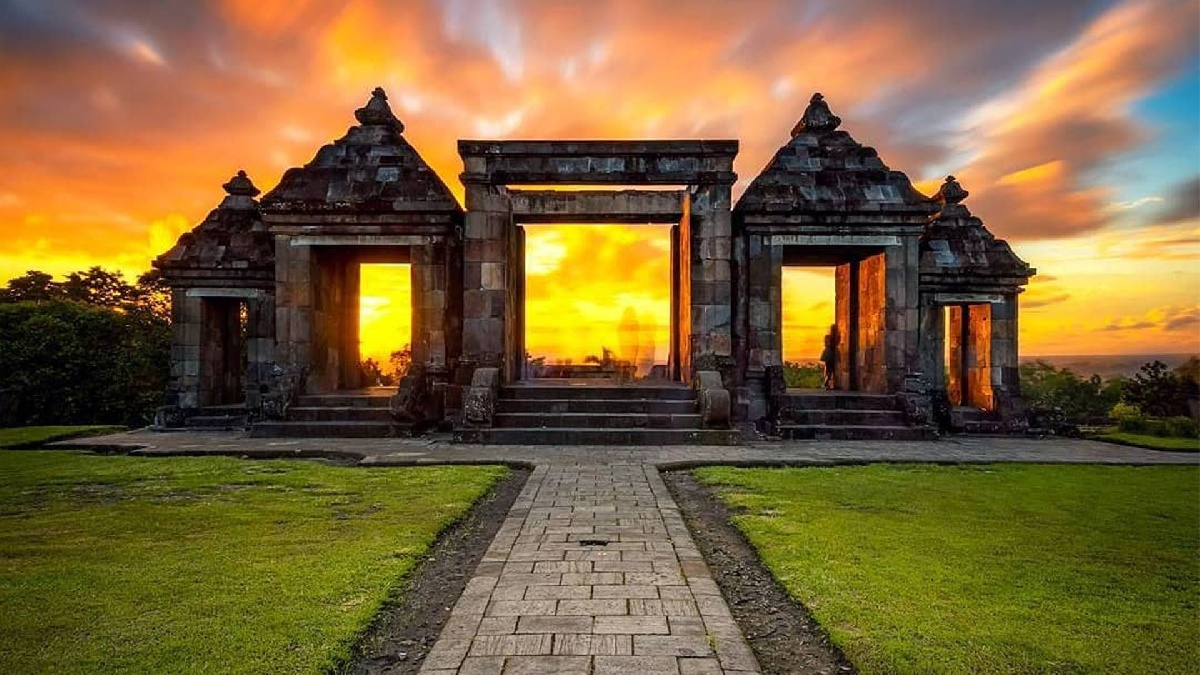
x=31, y=437
x=1151, y=442
x=122, y=564
x=985, y=569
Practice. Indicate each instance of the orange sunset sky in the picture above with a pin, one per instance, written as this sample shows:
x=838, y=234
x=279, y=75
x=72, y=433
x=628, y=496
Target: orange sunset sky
x=1074, y=124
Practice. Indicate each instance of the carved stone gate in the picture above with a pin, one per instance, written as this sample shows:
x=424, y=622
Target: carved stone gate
x=284, y=275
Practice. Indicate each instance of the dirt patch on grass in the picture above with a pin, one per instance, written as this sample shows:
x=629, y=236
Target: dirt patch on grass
x=407, y=627
x=785, y=638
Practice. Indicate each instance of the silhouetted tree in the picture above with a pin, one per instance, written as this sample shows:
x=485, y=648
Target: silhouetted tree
x=1158, y=391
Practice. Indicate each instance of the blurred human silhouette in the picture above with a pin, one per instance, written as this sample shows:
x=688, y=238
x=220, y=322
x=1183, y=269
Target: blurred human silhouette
x=829, y=355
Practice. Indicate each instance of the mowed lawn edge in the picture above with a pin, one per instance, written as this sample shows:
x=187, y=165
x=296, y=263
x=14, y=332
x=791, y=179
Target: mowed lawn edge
x=111, y=563
x=985, y=569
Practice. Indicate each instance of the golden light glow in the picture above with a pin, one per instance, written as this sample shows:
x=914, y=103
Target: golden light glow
x=384, y=311
x=590, y=287
x=114, y=146
x=808, y=311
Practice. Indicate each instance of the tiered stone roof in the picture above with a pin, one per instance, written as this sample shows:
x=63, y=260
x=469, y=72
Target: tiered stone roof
x=372, y=170
x=823, y=175
x=231, y=246
x=959, y=254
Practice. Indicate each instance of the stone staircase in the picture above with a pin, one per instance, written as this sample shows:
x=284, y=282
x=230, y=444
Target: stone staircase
x=842, y=415
x=352, y=414
x=971, y=420
x=218, y=418
x=596, y=413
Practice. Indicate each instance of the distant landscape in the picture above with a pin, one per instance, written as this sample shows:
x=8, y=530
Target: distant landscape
x=1108, y=365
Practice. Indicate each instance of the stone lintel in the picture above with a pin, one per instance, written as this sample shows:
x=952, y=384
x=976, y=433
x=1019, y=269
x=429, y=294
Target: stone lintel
x=967, y=298
x=246, y=293
x=597, y=206
x=818, y=222
x=365, y=240
x=833, y=240
x=599, y=148
x=357, y=218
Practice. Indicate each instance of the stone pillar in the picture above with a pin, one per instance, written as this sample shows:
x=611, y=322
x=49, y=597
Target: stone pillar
x=846, y=310
x=933, y=344
x=518, y=303
x=978, y=364
x=293, y=304
x=486, y=276
x=675, y=347
x=260, y=344
x=1005, y=365
x=185, y=349
x=710, y=329
x=763, y=276
x=430, y=282
x=871, y=347
x=901, y=314
x=956, y=353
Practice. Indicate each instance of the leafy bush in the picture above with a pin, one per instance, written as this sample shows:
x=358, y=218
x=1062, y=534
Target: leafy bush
x=1047, y=387
x=1159, y=391
x=91, y=350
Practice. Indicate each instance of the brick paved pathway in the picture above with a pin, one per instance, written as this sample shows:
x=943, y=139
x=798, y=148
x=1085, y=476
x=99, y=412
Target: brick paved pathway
x=592, y=572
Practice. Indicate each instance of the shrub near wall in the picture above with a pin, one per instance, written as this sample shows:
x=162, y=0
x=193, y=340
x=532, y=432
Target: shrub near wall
x=65, y=362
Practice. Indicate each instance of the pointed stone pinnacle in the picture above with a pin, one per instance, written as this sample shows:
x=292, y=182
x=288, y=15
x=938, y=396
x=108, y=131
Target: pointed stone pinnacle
x=951, y=192
x=817, y=118
x=241, y=186
x=377, y=112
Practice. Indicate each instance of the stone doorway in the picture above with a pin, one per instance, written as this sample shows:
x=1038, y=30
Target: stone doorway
x=613, y=318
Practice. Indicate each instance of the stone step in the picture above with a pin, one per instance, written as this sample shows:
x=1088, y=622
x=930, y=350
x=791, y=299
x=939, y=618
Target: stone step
x=343, y=401
x=839, y=401
x=339, y=414
x=599, y=436
x=552, y=420
x=327, y=430
x=596, y=405
x=848, y=432
x=589, y=392
x=842, y=417
x=216, y=422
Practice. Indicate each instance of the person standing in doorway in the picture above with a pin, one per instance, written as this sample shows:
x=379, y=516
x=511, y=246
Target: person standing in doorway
x=829, y=355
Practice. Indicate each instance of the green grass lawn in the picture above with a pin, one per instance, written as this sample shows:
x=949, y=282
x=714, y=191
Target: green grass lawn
x=986, y=569
x=23, y=437
x=1152, y=442
x=120, y=564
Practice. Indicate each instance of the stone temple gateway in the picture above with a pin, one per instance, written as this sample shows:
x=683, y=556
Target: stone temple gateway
x=265, y=293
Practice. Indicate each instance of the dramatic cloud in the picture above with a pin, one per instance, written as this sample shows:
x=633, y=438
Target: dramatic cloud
x=1182, y=204
x=121, y=118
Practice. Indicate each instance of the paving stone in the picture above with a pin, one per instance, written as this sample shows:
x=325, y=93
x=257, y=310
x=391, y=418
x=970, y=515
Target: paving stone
x=608, y=606
x=565, y=643
x=671, y=645
x=700, y=667
x=547, y=665
x=511, y=645
x=496, y=625
x=482, y=665
x=642, y=665
x=521, y=608
x=625, y=591
x=555, y=624
x=632, y=625
x=558, y=592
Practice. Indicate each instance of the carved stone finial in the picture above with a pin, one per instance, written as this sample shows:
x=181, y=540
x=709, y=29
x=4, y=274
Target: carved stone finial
x=241, y=186
x=951, y=192
x=817, y=118
x=377, y=111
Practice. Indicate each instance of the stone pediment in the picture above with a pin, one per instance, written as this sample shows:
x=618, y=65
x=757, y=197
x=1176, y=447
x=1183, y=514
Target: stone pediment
x=372, y=170
x=959, y=253
x=232, y=242
x=823, y=174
